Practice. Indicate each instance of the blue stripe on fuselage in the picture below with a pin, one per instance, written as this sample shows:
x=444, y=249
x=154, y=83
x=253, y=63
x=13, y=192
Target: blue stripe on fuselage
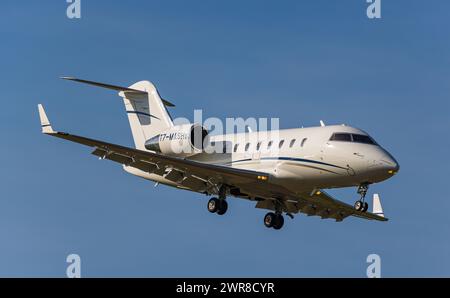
x=291, y=159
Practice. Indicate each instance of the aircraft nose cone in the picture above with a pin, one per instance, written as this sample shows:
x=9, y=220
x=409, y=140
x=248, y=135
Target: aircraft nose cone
x=390, y=164
x=397, y=167
x=382, y=166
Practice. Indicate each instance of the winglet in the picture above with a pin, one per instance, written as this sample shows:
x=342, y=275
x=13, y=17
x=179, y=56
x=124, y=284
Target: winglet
x=377, y=209
x=46, y=127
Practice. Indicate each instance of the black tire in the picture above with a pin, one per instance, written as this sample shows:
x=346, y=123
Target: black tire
x=270, y=219
x=223, y=207
x=365, y=207
x=359, y=205
x=213, y=205
x=279, y=222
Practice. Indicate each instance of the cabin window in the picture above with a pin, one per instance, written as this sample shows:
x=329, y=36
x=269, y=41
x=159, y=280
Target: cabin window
x=281, y=144
x=236, y=147
x=303, y=142
x=258, y=146
x=292, y=143
x=247, y=147
x=342, y=137
x=269, y=145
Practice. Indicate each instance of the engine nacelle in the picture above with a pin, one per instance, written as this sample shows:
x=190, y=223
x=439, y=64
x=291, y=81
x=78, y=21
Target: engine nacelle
x=180, y=140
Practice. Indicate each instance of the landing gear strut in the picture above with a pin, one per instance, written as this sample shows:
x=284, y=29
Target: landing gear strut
x=361, y=204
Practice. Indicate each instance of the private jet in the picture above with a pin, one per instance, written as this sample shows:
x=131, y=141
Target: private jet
x=283, y=171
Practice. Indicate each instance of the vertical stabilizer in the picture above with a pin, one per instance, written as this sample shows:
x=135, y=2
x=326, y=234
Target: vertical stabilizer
x=146, y=111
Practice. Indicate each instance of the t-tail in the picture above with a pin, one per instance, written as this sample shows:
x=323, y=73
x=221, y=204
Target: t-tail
x=147, y=112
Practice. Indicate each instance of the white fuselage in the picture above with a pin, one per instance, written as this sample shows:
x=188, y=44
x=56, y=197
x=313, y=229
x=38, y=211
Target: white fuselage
x=306, y=159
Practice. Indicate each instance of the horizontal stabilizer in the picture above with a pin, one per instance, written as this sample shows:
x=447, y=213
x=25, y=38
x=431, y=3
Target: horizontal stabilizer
x=114, y=87
x=45, y=124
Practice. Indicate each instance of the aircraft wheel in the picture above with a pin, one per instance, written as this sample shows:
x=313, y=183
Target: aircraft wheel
x=223, y=207
x=359, y=205
x=279, y=222
x=270, y=219
x=213, y=205
x=365, y=207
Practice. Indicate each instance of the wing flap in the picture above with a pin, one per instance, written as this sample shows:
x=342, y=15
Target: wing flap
x=194, y=183
x=104, y=154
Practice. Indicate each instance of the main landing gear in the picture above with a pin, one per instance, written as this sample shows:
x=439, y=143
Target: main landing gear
x=361, y=204
x=219, y=205
x=274, y=220
x=271, y=220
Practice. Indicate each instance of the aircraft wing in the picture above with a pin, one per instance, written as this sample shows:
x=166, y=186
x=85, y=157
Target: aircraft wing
x=319, y=203
x=187, y=173
x=329, y=202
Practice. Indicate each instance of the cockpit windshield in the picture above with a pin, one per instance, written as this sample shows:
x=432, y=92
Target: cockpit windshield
x=351, y=137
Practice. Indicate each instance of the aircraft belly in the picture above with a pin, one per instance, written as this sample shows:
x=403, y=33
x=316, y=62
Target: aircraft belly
x=303, y=177
x=292, y=176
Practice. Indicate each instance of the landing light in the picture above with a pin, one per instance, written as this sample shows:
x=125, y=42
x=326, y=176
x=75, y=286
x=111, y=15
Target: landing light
x=263, y=178
x=392, y=172
x=318, y=193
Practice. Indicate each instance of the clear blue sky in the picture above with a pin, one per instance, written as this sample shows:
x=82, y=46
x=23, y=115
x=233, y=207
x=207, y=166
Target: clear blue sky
x=301, y=61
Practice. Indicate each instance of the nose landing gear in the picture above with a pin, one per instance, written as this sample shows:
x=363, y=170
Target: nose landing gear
x=361, y=204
